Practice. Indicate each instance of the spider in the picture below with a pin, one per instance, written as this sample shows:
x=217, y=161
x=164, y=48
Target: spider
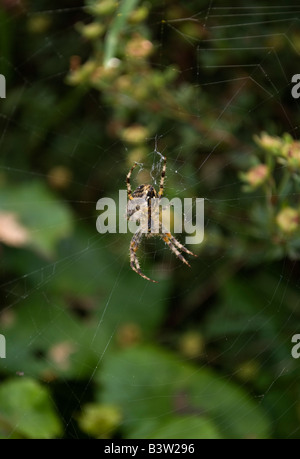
x=146, y=212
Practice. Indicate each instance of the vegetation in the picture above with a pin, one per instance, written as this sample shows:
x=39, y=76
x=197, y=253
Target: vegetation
x=92, y=349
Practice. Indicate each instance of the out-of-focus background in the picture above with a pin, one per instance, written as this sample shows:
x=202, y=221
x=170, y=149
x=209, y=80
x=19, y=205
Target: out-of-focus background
x=88, y=348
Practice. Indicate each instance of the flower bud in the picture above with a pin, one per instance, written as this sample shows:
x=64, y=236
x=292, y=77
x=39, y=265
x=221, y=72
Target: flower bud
x=256, y=176
x=288, y=220
x=135, y=134
x=270, y=143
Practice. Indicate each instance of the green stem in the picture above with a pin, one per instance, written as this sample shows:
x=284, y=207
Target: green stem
x=117, y=25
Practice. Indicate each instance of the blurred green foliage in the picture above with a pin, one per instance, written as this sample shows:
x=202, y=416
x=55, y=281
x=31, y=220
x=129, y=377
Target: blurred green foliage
x=93, y=350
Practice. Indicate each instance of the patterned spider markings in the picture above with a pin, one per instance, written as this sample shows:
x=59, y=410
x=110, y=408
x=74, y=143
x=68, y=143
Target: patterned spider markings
x=143, y=204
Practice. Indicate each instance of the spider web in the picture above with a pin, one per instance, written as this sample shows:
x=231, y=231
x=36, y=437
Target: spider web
x=71, y=305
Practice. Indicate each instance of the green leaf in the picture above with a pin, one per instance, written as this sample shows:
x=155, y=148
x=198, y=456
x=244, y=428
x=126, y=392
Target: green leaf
x=45, y=338
x=153, y=387
x=27, y=411
x=183, y=427
x=45, y=218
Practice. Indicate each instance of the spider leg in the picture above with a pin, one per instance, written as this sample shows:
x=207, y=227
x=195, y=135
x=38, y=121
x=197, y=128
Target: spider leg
x=162, y=178
x=134, y=262
x=128, y=181
x=171, y=244
x=179, y=245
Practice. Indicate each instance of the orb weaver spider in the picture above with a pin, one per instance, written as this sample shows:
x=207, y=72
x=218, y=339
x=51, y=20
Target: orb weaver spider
x=145, y=211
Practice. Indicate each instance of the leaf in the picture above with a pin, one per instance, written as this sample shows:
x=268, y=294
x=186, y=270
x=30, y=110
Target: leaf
x=45, y=219
x=46, y=340
x=153, y=388
x=45, y=334
x=185, y=427
x=27, y=410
